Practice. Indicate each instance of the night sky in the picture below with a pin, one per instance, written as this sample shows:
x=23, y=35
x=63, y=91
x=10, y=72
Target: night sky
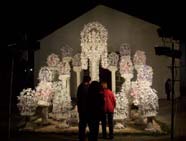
x=40, y=19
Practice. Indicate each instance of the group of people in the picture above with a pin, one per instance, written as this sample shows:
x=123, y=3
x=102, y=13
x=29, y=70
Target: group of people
x=95, y=103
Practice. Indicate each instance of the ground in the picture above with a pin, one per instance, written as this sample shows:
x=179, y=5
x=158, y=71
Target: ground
x=128, y=134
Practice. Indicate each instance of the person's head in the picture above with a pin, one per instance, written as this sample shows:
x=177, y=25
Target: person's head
x=86, y=79
x=94, y=87
x=104, y=85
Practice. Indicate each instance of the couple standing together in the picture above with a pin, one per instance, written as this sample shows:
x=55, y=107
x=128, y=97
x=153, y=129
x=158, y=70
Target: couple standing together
x=95, y=103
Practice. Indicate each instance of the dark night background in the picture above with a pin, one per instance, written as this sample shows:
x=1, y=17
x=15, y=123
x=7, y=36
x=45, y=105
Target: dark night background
x=27, y=22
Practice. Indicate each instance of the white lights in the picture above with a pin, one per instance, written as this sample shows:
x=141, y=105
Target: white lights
x=94, y=48
x=53, y=88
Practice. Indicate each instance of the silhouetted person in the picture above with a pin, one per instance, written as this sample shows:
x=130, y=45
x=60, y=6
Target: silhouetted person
x=82, y=94
x=95, y=109
x=168, y=88
x=110, y=104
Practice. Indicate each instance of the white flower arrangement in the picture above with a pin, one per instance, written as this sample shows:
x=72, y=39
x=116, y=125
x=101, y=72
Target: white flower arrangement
x=61, y=101
x=64, y=68
x=94, y=44
x=76, y=60
x=125, y=49
x=145, y=74
x=148, y=105
x=44, y=93
x=143, y=95
x=121, y=111
x=135, y=93
x=46, y=74
x=126, y=66
x=139, y=58
x=113, y=59
x=27, y=102
x=53, y=60
x=66, y=51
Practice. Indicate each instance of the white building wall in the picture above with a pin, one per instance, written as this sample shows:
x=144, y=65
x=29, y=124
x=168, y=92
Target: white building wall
x=122, y=28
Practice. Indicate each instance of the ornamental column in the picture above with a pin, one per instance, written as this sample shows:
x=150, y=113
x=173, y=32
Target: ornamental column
x=78, y=74
x=113, y=70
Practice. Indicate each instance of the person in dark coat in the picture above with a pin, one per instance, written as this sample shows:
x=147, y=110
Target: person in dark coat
x=110, y=104
x=95, y=109
x=82, y=94
x=168, y=88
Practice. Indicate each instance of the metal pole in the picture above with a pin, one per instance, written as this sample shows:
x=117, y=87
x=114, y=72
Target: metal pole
x=10, y=98
x=172, y=96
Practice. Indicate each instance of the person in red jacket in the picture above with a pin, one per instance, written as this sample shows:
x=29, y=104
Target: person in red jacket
x=110, y=104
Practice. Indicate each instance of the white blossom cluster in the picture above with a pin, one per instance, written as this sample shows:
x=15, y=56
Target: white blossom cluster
x=61, y=101
x=53, y=60
x=27, y=102
x=145, y=96
x=66, y=51
x=139, y=58
x=121, y=110
x=145, y=74
x=44, y=93
x=46, y=74
x=125, y=49
x=64, y=68
x=126, y=66
x=76, y=60
x=113, y=59
x=94, y=44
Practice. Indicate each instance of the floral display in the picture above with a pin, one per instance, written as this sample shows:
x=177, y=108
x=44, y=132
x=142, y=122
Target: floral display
x=121, y=110
x=94, y=47
x=113, y=59
x=27, y=102
x=46, y=74
x=125, y=49
x=44, y=93
x=134, y=92
x=53, y=60
x=145, y=73
x=64, y=68
x=145, y=96
x=56, y=92
x=139, y=58
x=148, y=102
x=76, y=60
x=126, y=66
x=66, y=51
x=61, y=101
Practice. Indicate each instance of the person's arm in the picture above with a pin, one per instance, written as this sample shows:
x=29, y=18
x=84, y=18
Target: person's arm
x=78, y=94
